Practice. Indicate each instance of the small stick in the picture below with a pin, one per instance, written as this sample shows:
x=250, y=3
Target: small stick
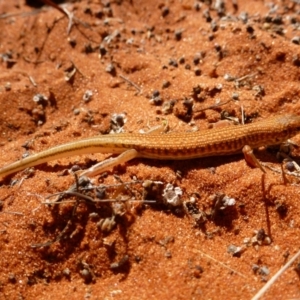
x=132, y=83
x=68, y=14
x=284, y=178
x=212, y=106
x=278, y=171
x=243, y=115
x=12, y=213
x=96, y=201
x=275, y=277
x=77, y=69
x=245, y=77
x=220, y=263
x=32, y=81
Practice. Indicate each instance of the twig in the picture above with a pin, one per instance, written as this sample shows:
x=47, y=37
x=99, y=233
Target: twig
x=284, y=178
x=64, y=11
x=77, y=69
x=243, y=114
x=279, y=171
x=32, y=81
x=220, y=263
x=132, y=83
x=33, y=62
x=12, y=213
x=212, y=106
x=68, y=14
x=91, y=199
x=245, y=77
x=22, y=14
x=275, y=277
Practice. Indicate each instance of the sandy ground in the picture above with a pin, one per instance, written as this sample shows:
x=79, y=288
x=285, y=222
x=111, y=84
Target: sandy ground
x=150, y=62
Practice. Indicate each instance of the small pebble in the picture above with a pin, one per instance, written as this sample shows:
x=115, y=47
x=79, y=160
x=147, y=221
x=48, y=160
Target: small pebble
x=7, y=86
x=178, y=34
x=165, y=11
x=87, y=96
x=235, y=96
x=197, y=71
x=166, y=84
x=290, y=166
x=264, y=271
x=110, y=68
x=76, y=111
x=296, y=40
x=173, y=62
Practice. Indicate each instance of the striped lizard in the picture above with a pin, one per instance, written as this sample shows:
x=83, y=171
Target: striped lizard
x=170, y=146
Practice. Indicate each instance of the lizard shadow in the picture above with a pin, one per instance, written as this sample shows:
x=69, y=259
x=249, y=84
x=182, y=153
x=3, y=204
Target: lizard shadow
x=60, y=218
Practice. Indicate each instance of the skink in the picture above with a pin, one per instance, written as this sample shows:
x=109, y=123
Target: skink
x=174, y=145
